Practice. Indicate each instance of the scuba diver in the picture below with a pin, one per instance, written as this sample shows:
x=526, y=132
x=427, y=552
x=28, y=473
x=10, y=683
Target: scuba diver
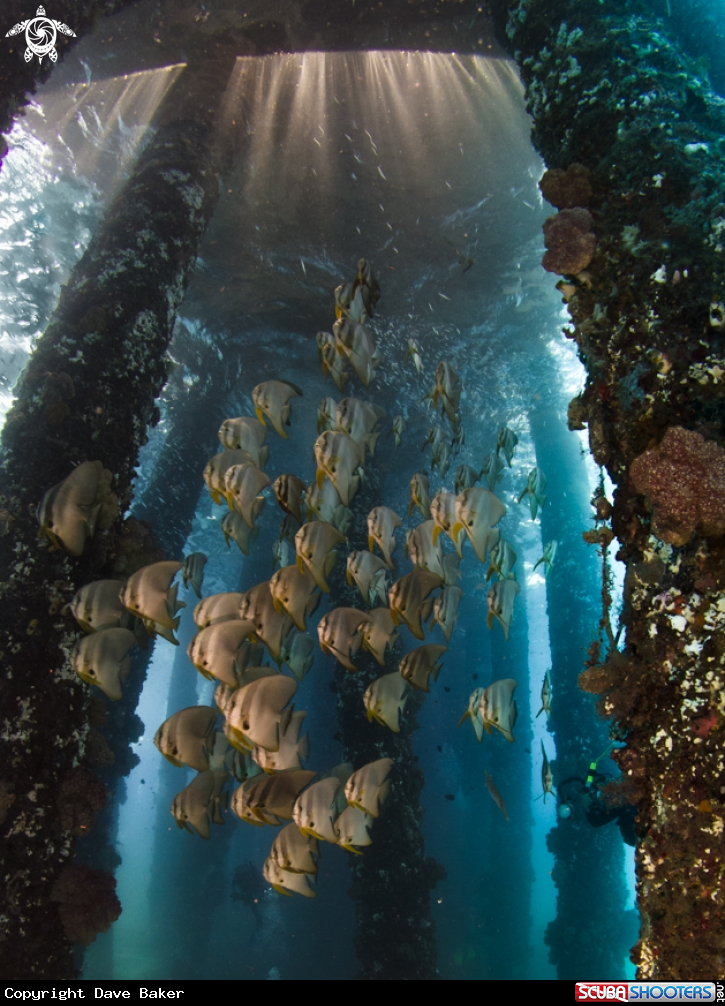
x=597, y=809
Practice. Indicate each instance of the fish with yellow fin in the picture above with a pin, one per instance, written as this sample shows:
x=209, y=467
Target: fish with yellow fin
x=318, y=807
x=444, y=513
x=410, y=601
x=219, y=652
x=500, y=600
x=286, y=882
x=360, y=421
x=70, y=511
x=289, y=491
x=102, y=659
x=493, y=707
x=242, y=487
x=148, y=594
x=445, y=609
x=246, y=434
x=369, y=573
x=294, y=851
x=382, y=522
x=340, y=632
x=198, y=804
x=315, y=543
x=422, y=664
x=257, y=715
x=272, y=399
x=414, y=354
x=424, y=548
x=379, y=633
x=385, y=699
x=420, y=495
x=98, y=605
x=492, y=469
x=477, y=511
x=295, y=593
x=503, y=559
x=338, y=457
x=353, y=829
x=216, y=469
x=184, y=738
x=354, y=341
x=506, y=441
x=369, y=787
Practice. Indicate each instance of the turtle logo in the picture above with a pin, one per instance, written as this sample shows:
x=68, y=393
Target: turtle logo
x=40, y=34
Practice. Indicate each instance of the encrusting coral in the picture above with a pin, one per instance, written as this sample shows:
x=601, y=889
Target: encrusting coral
x=87, y=902
x=569, y=242
x=683, y=480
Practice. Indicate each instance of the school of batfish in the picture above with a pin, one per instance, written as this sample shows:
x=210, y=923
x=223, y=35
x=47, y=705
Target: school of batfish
x=259, y=743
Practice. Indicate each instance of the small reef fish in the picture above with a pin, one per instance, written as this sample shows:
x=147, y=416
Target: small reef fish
x=315, y=544
x=184, y=738
x=326, y=414
x=294, y=593
x=440, y=449
x=257, y=716
x=217, y=608
x=98, y=605
x=410, y=600
x=340, y=632
x=535, y=491
x=492, y=469
x=547, y=777
x=295, y=852
x=70, y=511
x=503, y=559
x=353, y=829
x=270, y=626
x=398, y=430
x=444, y=512
x=286, y=882
x=247, y=434
x=349, y=304
x=382, y=522
x=296, y=652
x=506, y=441
x=420, y=665
x=369, y=574
x=496, y=796
x=289, y=492
x=493, y=707
x=369, y=787
x=272, y=399
x=414, y=355
x=445, y=610
x=338, y=457
x=465, y=478
x=356, y=343
x=477, y=511
x=379, y=633
x=447, y=391
x=424, y=547
x=280, y=553
x=242, y=486
x=103, y=659
x=333, y=364
x=385, y=700
x=360, y=421
x=276, y=794
x=293, y=749
x=216, y=469
x=236, y=529
x=366, y=284
x=549, y=556
x=218, y=651
x=420, y=495
x=148, y=594
x=316, y=810
x=199, y=803
x=193, y=571
x=500, y=600
x=546, y=696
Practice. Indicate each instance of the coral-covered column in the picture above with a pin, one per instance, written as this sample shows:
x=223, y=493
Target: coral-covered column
x=632, y=135
x=87, y=394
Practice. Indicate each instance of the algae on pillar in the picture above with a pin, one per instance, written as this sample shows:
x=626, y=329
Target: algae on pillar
x=618, y=103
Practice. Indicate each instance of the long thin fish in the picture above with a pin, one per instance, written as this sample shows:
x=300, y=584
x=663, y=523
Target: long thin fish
x=496, y=796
